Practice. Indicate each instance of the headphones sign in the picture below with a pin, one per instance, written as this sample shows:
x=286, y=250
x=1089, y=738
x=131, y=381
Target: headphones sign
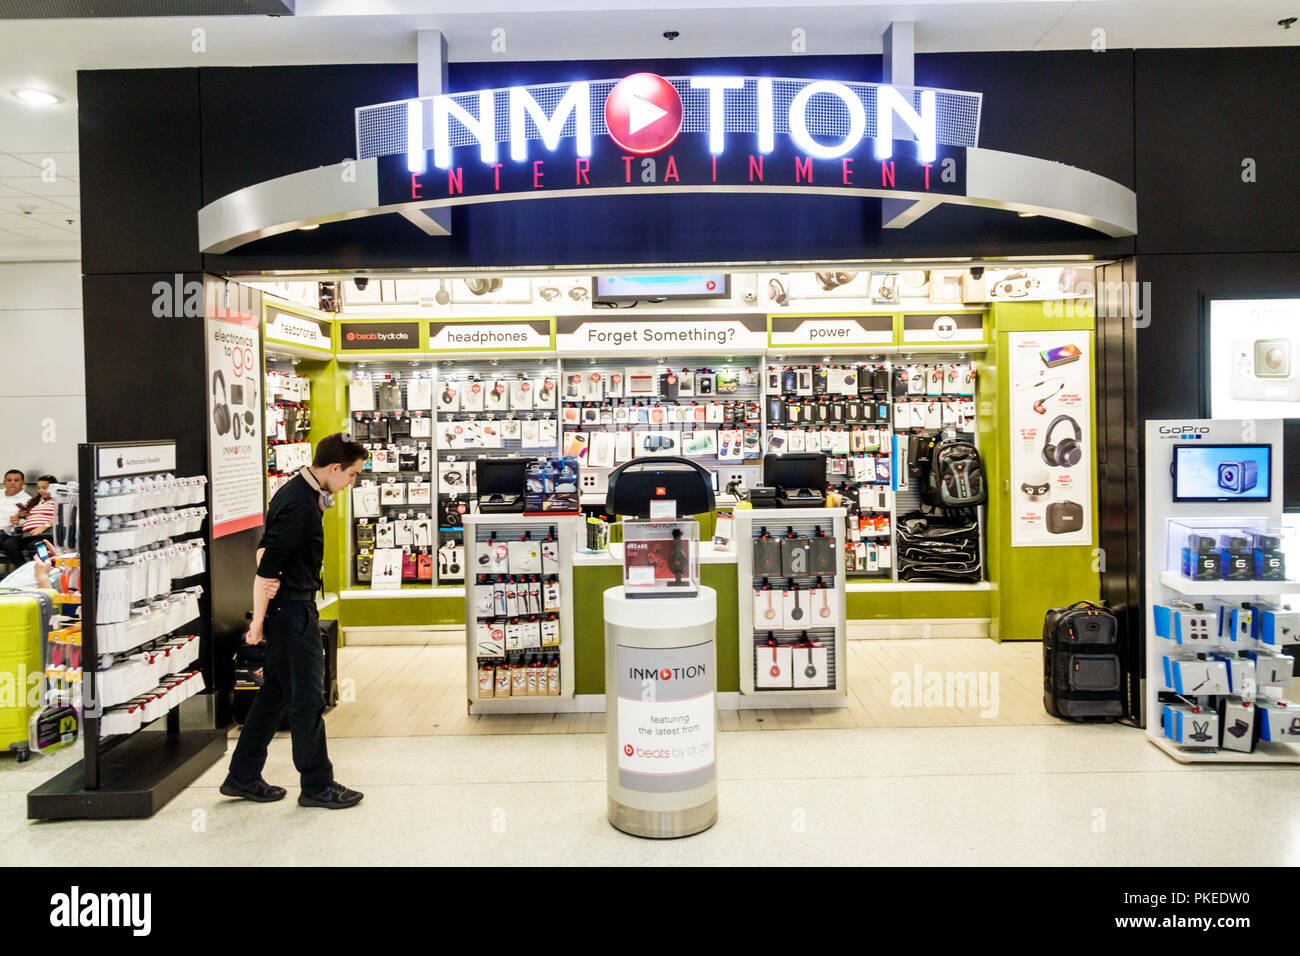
x=1051, y=439
x=519, y=335
x=293, y=329
x=235, y=444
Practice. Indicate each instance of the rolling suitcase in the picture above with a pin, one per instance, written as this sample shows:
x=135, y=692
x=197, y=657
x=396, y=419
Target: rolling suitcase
x=1082, y=676
x=24, y=624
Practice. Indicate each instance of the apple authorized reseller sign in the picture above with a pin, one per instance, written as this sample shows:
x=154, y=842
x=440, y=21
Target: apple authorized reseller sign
x=646, y=134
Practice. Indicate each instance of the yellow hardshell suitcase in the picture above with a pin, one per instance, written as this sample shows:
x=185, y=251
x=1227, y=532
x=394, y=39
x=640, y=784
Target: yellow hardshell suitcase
x=24, y=624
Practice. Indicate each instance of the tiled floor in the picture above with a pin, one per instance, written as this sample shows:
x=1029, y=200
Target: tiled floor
x=420, y=691
x=871, y=784
x=1058, y=795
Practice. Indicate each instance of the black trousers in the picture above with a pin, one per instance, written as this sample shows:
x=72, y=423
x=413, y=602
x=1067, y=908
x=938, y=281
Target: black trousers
x=293, y=676
x=19, y=548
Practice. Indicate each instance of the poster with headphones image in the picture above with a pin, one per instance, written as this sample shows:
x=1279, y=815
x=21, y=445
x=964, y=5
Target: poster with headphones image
x=236, y=456
x=1052, y=455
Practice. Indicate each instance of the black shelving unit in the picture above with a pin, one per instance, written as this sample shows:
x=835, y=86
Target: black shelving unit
x=125, y=775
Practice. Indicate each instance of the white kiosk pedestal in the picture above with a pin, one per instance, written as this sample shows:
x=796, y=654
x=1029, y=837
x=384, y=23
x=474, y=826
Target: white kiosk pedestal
x=660, y=713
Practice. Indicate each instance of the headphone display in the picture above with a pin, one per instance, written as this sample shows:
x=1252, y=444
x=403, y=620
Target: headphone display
x=483, y=286
x=220, y=410
x=1067, y=452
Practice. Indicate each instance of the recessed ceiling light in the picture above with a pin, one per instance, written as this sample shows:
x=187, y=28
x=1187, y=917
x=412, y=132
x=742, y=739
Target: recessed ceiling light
x=1028, y=215
x=314, y=225
x=38, y=97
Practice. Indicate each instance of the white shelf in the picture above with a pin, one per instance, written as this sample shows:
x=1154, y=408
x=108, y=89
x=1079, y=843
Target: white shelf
x=1189, y=587
x=1264, y=753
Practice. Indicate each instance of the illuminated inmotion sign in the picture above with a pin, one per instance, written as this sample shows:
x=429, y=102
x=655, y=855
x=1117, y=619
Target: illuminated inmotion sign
x=697, y=133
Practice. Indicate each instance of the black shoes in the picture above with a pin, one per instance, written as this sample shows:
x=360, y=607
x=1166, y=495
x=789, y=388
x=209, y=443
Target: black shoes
x=335, y=796
x=257, y=790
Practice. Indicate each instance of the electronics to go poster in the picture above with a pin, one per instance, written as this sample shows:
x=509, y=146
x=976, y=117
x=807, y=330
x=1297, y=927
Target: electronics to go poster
x=1051, y=441
x=1254, y=358
x=235, y=441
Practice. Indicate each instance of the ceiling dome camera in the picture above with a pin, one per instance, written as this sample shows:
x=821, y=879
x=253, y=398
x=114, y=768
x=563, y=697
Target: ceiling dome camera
x=361, y=282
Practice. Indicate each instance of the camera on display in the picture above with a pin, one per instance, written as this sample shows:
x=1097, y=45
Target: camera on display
x=1264, y=370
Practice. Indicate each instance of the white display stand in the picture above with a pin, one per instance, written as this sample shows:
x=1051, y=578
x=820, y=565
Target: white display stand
x=1164, y=583
x=661, y=683
x=832, y=632
x=481, y=527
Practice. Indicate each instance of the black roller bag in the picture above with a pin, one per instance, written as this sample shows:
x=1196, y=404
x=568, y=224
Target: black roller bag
x=1082, y=677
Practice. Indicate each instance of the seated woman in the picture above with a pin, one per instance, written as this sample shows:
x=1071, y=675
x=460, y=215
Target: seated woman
x=36, y=519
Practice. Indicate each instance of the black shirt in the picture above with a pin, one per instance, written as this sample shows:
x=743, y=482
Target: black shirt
x=294, y=538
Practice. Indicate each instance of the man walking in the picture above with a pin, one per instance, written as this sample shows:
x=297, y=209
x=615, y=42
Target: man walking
x=284, y=612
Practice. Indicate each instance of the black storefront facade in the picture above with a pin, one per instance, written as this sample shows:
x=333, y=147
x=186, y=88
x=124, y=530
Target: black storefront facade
x=1174, y=126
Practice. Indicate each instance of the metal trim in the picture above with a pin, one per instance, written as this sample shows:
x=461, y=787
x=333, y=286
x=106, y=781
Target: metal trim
x=994, y=180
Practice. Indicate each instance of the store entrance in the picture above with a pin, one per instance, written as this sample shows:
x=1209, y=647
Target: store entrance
x=949, y=409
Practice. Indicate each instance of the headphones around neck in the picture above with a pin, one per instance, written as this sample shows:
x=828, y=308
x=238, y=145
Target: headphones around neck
x=325, y=498
x=1067, y=452
x=220, y=409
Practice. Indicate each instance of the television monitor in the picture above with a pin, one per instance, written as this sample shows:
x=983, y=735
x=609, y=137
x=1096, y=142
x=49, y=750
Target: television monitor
x=501, y=476
x=714, y=285
x=1222, y=472
x=800, y=470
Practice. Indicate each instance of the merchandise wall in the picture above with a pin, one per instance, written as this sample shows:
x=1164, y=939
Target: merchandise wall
x=397, y=544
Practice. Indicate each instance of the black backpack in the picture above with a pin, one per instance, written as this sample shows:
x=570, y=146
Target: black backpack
x=956, y=476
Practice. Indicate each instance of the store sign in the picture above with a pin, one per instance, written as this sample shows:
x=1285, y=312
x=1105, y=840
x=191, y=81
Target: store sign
x=1051, y=438
x=686, y=133
x=694, y=334
x=791, y=331
x=117, y=460
x=379, y=336
x=644, y=113
x=518, y=336
x=236, y=467
x=666, y=719
x=290, y=328
x=648, y=134
x=938, y=328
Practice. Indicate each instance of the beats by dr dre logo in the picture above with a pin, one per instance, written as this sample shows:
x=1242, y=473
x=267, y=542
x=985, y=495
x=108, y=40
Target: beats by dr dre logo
x=627, y=749
x=643, y=113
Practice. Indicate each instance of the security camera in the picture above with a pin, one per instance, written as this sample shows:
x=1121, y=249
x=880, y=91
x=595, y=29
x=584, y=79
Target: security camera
x=671, y=34
x=977, y=272
x=361, y=282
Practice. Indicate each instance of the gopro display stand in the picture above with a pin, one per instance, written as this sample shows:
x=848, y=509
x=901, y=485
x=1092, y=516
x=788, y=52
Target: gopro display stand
x=1167, y=586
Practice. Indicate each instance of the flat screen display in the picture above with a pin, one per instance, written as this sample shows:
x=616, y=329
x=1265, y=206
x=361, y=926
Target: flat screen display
x=714, y=285
x=1222, y=472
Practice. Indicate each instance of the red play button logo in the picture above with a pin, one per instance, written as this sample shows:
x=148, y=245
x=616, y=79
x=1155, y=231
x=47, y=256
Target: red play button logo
x=643, y=113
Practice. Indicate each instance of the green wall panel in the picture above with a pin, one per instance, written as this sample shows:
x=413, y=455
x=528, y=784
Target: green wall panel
x=402, y=612
x=589, y=586
x=1028, y=581
x=896, y=605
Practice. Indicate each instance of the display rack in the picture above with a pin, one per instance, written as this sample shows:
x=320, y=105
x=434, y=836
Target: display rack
x=813, y=656
x=860, y=410
x=502, y=660
x=706, y=409
x=487, y=408
x=1212, y=628
x=138, y=549
x=392, y=504
x=288, y=421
